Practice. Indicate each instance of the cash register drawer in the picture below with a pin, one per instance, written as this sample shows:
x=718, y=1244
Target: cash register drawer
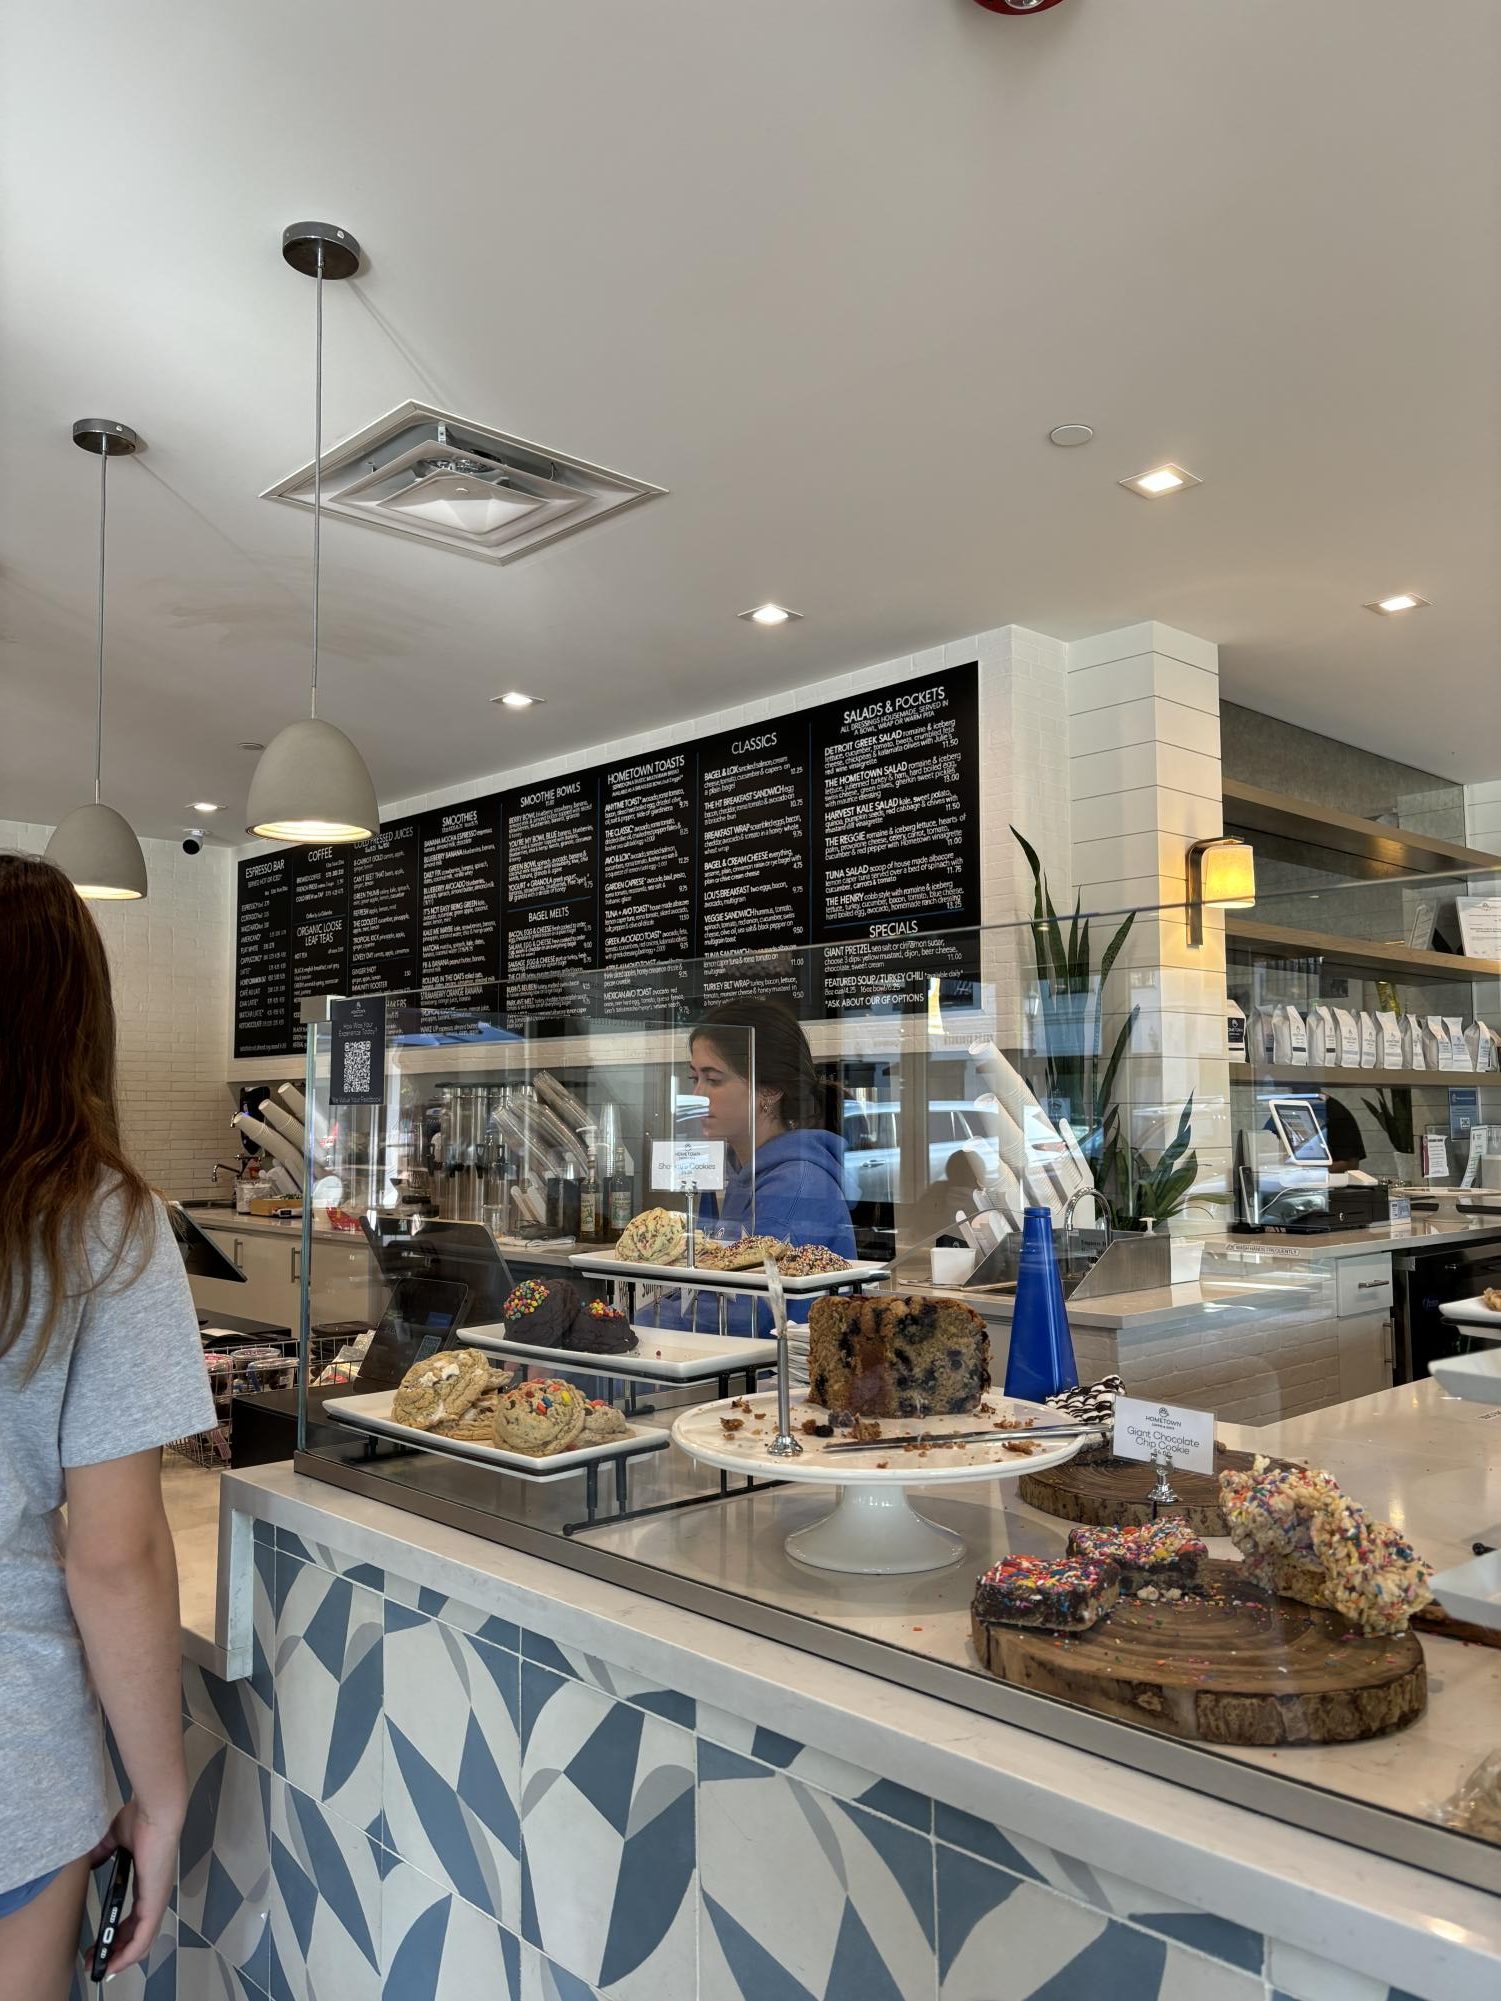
x=1362, y=1285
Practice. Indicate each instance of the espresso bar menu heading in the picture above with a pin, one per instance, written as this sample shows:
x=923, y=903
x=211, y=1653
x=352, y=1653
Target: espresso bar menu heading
x=852, y=825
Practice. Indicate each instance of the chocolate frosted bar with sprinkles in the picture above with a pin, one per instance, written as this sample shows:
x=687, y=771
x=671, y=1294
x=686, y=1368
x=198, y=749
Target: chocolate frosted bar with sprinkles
x=1158, y=1560
x=1063, y=1595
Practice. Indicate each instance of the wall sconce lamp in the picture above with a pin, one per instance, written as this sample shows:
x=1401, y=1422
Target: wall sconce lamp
x=1220, y=872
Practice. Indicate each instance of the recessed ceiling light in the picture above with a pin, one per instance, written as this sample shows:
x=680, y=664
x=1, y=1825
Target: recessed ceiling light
x=202, y=806
x=1161, y=480
x=1399, y=601
x=1070, y=434
x=514, y=699
x=252, y=746
x=770, y=614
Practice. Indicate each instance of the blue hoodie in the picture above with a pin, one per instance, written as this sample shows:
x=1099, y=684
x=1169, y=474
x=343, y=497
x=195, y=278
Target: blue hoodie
x=797, y=1193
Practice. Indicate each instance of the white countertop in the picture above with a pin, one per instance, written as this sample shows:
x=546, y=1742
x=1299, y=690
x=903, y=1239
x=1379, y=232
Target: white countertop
x=1363, y=1911
x=1425, y=1232
x=1429, y=1463
x=233, y=1224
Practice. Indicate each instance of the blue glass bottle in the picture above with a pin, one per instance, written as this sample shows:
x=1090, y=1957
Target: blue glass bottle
x=1041, y=1358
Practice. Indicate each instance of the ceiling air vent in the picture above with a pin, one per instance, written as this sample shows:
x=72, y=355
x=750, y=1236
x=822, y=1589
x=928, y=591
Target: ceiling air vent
x=441, y=479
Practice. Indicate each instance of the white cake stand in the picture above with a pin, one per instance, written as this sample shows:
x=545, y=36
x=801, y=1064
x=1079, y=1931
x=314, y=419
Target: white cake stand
x=872, y=1530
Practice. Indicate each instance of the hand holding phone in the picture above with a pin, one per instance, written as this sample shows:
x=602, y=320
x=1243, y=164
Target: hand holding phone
x=113, y=1908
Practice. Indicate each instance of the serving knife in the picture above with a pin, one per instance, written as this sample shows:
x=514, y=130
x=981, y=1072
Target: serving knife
x=963, y=1438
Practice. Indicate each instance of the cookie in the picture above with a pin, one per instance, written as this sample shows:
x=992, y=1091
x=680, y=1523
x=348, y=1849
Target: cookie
x=442, y=1387
x=655, y=1237
x=540, y=1418
x=599, y=1329
x=602, y=1422
x=541, y=1310
x=745, y=1254
x=477, y=1425
x=810, y=1260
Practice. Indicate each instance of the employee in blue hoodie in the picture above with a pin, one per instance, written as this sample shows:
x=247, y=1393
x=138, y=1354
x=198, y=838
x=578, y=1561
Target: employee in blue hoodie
x=785, y=1171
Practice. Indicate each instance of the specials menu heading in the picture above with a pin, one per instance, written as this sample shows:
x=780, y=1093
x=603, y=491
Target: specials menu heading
x=853, y=826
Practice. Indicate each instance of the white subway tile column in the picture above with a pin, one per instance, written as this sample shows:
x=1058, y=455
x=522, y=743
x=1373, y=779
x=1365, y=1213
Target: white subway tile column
x=1144, y=766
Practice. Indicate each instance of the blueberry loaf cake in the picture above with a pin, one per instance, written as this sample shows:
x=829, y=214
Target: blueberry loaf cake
x=884, y=1356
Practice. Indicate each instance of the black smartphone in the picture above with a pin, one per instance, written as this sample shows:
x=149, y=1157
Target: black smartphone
x=111, y=1912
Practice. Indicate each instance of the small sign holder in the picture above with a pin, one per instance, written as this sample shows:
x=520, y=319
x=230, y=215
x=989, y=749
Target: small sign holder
x=1166, y=1436
x=784, y=1445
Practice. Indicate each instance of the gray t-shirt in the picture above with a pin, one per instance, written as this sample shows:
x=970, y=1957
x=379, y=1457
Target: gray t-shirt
x=123, y=1372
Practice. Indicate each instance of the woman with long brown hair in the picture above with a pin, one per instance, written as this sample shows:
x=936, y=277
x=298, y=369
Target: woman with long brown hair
x=100, y=1364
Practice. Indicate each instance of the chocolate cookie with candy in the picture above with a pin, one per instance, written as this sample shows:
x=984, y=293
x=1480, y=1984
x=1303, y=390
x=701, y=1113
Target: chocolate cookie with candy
x=541, y=1311
x=599, y=1329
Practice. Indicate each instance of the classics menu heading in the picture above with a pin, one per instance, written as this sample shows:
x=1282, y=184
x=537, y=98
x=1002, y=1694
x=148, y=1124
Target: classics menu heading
x=853, y=826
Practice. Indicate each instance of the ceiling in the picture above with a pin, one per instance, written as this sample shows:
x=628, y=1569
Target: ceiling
x=829, y=273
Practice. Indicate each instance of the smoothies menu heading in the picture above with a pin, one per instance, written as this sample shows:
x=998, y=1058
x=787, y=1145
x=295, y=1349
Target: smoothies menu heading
x=852, y=826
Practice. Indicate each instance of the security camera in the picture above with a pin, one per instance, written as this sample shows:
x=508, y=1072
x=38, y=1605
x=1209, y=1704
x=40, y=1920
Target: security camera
x=1016, y=6
x=193, y=841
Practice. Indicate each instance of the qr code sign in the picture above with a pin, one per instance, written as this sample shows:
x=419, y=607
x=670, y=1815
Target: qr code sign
x=357, y=1066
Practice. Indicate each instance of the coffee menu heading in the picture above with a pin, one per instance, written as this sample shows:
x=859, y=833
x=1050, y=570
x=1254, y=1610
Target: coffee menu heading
x=853, y=826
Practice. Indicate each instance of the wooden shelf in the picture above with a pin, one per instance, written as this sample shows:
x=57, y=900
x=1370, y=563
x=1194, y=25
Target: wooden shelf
x=1403, y=1080
x=1280, y=941
x=1278, y=813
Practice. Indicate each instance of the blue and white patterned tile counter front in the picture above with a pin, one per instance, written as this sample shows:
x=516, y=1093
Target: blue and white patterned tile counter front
x=453, y=1771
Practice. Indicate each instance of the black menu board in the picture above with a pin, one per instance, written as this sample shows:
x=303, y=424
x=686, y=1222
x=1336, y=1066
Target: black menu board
x=263, y=956
x=895, y=829
x=753, y=856
x=551, y=900
x=896, y=807
x=853, y=827
x=385, y=896
x=460, y=956
x=320, y=928
x=645, y=880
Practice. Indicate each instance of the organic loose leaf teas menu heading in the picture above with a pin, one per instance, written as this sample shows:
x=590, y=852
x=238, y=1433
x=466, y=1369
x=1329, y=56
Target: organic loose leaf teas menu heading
x=853, y=826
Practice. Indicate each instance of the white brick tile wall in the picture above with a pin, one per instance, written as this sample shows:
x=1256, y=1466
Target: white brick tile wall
x=170, y=963
x=1145, y=782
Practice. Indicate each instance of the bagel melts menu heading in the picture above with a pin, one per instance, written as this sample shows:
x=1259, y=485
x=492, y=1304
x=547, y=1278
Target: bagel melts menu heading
x=853, y=827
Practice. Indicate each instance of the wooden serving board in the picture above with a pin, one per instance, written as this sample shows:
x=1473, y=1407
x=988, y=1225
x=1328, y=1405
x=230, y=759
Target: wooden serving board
x=1434, y=1620
x=1113, y=1493
x=1235, y=1667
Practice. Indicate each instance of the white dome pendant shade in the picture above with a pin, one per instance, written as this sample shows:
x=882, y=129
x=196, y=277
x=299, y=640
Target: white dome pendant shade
x=99, y=854
x=94, y=846
x=311, y=783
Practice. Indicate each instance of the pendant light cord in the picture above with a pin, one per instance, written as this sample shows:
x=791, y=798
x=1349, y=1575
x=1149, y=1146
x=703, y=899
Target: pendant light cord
x=99, y=720
x=317, y=477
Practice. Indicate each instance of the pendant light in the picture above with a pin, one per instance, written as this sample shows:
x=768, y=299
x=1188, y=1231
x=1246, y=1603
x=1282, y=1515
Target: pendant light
x=94, y=846
x=311, y=783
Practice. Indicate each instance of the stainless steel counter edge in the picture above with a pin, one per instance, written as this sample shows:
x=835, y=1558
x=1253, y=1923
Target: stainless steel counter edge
x=1398, y=1924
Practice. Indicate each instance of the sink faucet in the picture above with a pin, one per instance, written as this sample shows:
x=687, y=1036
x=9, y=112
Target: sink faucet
x=229, y=1168
x=1088, y=1195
